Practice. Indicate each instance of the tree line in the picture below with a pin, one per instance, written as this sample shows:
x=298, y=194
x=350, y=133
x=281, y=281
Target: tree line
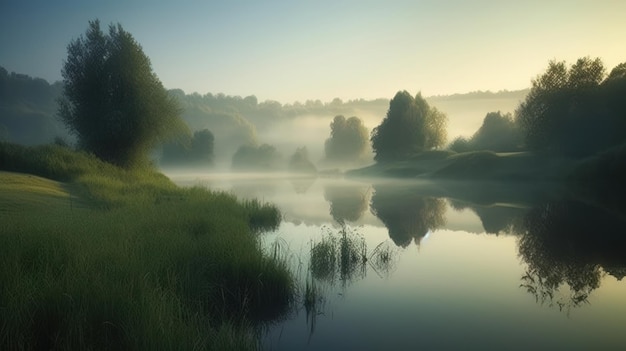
x=114, y=106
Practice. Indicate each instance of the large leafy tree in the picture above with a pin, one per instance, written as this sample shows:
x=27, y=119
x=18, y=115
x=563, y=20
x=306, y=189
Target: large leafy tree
x=411, y=126
x=574, y=111
x=348, y=139
x=112, y=100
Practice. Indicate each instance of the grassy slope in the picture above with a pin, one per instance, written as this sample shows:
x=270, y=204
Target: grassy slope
x=137, y=263
x=480, y=165
x=25, y=192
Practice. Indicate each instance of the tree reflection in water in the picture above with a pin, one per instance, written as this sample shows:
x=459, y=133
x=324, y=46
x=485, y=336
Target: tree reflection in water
x=302, y=184
x=568, y=247
x=347, y=202
x=407, y=215
x=495, y=219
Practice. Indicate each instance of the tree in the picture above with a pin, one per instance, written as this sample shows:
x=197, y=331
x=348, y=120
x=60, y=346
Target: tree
x=573, y=112
x=299, y=162
x=498, y=133
x=411, y=126
x=614, y=91
x=202, y=146
x=262, y=158
x=348, y=139
x=195, y=152
x=460, y=144
x=113, y=102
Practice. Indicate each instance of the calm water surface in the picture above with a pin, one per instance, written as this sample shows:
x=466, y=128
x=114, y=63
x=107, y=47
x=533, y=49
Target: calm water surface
x=465, y=266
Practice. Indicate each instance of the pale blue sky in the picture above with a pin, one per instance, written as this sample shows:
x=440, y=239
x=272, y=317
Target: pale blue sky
x=296, y=50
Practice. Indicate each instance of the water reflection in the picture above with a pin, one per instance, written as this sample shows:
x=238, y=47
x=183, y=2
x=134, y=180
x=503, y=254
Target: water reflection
x=347, y=202
x=566, y=249
x=341, y=257
x=501, y=219
x=302, y=184
x=254, y=189
x=407, y=215
x=345, y=257
x=568, y=246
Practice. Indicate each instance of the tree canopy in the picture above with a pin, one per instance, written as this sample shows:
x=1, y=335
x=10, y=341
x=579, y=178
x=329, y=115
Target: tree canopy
x=498, y=133
x=348, y=141
x=575, y=111
x=299, y=162
x=112, y=100
x=411, y=126
x=261, y=158
x=199, y=151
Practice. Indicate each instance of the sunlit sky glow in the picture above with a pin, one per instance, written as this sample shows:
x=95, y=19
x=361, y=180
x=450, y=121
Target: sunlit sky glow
x=296, y=50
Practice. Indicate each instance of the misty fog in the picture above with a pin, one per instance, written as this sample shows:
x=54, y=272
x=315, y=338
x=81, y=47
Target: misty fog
x=465, y=114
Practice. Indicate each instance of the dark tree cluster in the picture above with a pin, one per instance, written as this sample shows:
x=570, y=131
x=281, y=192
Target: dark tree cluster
x=575, y=111
x=349, y=139
x=498, y=133
x=410, y=127
x=198, y=152
x=256, y=158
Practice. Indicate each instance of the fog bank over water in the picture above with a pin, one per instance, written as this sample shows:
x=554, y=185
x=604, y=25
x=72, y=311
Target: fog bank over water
x=465, y=113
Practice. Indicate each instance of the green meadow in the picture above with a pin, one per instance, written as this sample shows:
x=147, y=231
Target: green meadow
x=97, y=257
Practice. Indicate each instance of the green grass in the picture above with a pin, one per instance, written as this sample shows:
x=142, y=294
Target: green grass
x=323, y=264
x=475, y=165
x=97, y=257
x=341, y=255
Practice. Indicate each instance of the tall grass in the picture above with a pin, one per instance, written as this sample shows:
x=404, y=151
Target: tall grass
x=142, y=265
x=344, y=256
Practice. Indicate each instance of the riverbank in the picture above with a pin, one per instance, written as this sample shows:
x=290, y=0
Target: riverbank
x=607, y=166
x=97, y=257
x=479, y=165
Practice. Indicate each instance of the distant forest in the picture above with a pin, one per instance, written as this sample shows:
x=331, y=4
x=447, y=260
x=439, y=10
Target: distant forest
x=28, y=113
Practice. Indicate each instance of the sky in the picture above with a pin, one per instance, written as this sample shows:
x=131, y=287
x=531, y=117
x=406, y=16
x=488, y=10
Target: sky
x=299, y=50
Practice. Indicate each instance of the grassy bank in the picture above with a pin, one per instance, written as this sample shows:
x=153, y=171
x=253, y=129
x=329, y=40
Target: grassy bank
x=478, y=165
x=97, y=257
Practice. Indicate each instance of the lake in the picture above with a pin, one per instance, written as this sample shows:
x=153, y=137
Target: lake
x=401, y=265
